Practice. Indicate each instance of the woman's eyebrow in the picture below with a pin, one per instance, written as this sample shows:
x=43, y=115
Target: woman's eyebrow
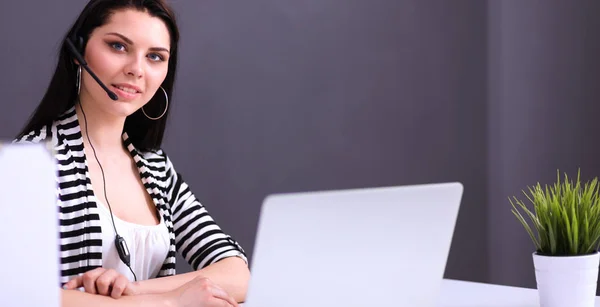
x=129, y=41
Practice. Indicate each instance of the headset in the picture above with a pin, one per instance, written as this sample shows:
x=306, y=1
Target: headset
x=120, y=243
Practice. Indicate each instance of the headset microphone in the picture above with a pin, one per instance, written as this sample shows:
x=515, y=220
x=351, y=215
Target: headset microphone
x=84, y=64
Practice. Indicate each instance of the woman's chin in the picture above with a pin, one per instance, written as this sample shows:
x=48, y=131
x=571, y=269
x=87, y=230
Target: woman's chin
x=123, y=109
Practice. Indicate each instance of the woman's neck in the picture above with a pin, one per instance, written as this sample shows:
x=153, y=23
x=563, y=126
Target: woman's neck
x=104, y=130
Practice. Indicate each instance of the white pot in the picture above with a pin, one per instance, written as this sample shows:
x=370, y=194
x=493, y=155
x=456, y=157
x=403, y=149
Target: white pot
x=566, y=280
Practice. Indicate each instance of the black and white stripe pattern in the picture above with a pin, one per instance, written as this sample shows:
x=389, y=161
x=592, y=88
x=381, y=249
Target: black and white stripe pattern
x=193, y=232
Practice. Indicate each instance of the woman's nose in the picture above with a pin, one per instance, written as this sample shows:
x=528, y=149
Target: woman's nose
x=135, y=68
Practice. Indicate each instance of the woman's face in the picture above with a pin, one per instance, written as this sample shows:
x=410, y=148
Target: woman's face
x=130, y=55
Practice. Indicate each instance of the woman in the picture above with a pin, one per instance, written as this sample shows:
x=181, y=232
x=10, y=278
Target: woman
x=124, y=211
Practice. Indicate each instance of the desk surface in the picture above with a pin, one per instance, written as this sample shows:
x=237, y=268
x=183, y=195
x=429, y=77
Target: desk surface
x=457, y=293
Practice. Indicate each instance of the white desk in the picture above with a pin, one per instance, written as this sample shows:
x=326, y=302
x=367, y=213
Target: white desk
x=456, y=293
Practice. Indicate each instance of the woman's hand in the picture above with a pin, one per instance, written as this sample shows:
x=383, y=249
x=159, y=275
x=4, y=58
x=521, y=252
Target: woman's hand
x=201, y=292
x=104, y=282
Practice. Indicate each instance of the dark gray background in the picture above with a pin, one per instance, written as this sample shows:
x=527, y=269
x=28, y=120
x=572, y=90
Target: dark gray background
x=285, y=96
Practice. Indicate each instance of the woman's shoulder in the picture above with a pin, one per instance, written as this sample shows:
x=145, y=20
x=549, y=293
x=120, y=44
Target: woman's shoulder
x=156, y=164
x=45, y=135
x=35, y=136
x=153, y=155
x=49, y=132
x=155, y=158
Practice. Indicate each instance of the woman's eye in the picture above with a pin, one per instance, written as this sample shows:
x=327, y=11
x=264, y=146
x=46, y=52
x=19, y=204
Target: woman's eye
x=155, y=57
x=117, y=46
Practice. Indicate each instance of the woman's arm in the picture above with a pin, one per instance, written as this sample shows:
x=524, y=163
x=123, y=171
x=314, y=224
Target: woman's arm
x=211, y=252
x=231, y=274
x=198, y=292
x=75, y=298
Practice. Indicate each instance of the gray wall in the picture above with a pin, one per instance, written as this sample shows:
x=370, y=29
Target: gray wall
x=543, y=107
x=285, y=96
x=295, y=96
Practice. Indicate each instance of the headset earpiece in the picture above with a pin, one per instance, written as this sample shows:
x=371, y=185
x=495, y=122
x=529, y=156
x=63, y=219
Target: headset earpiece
x=79, y=44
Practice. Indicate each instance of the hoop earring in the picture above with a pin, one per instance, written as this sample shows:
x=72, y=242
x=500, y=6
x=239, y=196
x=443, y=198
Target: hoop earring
x=166, y=107
x=78, y=81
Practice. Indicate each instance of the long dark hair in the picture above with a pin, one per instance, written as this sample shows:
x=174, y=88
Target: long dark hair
x=144, y=133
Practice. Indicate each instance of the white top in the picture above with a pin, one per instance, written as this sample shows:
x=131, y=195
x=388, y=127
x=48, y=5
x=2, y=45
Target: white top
x=148, y=245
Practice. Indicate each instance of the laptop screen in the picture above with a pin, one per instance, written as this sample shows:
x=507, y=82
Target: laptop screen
x=29, y=227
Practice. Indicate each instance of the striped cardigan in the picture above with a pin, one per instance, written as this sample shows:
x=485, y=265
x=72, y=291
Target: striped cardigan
x=193, y=232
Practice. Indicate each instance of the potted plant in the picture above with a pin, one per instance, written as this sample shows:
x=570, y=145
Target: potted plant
x=565, y=229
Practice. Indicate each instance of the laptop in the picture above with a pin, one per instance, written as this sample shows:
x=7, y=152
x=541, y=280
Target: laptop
x=29, y=227
x=385, y=246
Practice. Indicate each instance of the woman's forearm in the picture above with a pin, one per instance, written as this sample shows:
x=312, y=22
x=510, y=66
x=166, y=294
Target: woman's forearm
x=231, y=274
x=76, y=298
